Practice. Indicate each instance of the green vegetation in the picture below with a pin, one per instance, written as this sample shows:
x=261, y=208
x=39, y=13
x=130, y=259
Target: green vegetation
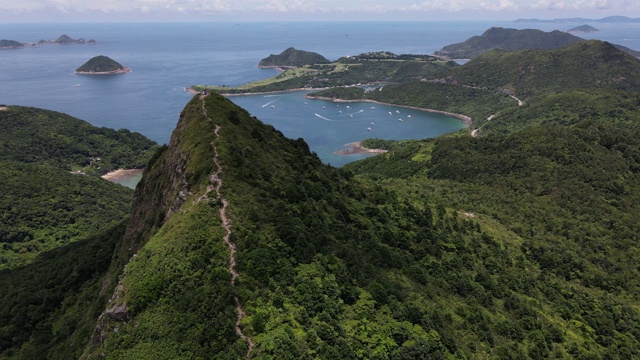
x=588, y=64
x=513, y=39
x=44, y=208
x=520, y=243
x=293, y=58
x=583, y=28
x=12, y=44
x=352, y=70
x=65, y=39
x=48, y=309
x=61, y=234
x=101, y=64
x=47, y=137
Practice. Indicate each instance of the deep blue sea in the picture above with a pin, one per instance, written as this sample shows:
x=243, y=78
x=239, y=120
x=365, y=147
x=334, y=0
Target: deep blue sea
x=166, y=58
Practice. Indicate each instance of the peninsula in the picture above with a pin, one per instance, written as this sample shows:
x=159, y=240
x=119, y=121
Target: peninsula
x=10, y=44
x=101, y=65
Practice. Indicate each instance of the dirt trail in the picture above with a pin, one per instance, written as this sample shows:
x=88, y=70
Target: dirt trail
x=216, y=186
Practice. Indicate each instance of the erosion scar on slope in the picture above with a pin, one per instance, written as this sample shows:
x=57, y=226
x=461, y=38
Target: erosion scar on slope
x=216, y=180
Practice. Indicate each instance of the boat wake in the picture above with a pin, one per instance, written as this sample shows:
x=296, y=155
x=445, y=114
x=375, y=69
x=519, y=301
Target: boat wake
x=270, y=102
x=324, y=118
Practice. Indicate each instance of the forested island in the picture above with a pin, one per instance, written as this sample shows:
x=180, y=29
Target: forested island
x=101, y=65
x=10, y=44
x=516, y=241
x=583, y=29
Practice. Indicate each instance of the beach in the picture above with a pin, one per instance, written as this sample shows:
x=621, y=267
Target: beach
x=115, y=175
x=357, y=148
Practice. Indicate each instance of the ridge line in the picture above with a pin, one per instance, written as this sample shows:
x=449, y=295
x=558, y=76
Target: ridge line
x=216, y=180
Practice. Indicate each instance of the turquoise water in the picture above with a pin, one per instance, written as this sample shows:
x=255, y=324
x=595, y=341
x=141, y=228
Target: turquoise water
x=130, y=180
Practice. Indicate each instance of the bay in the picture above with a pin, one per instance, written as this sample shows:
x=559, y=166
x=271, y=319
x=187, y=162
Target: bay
x=166, y=58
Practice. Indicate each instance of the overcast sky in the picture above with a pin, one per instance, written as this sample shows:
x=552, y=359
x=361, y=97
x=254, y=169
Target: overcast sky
x=306, y=10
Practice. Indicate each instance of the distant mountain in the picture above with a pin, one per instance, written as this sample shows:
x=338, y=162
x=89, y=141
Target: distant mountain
x=584, y=64
x=583, y=28
x=292, y=58
x=102, y=65
x=65, y=39
x=10, y=44
x=513, y=39
x=609, y=19
x=507, y=39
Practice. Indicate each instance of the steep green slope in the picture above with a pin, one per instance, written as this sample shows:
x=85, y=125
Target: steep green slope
x=101, y=64
x=331, y=267
x=31, y=135
x=10, y=44
x=620, y=108
x=590, y=64
x=292, y=57
x=497, y=38
x=59, y=232
x=570, y=194
x=43, y=208
x=508, y=40
x=48, y=309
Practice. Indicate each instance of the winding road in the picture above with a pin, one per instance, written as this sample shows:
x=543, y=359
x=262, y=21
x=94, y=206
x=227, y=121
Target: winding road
x=216, y=186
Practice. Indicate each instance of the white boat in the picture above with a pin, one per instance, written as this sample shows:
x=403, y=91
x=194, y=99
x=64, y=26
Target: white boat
x=369, y=128
x=397, y=111
x=400, y=120
x=372, y=123
x=408, y=116
x=372, y=108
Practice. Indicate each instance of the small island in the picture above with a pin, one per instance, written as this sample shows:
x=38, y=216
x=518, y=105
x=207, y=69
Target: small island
x=583, y=29
x=101, y=65
x=10, y=44
x=65, y=39
x=292, y=58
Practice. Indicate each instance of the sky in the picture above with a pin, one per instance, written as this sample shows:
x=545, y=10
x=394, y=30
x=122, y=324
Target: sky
x=12, y=11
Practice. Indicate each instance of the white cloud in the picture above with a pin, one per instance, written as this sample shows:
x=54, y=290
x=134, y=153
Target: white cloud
x=430, y=5
x=502, y=5
x=325, y=9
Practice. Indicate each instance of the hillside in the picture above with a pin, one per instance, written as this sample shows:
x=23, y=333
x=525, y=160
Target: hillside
x=292, y=58
x=347, y=71
x=583, y=29
x=527, y=73
x=497, y=38
x=10, y=44
x=59, y=232
x=102, y=65
x=519, y=243
x=31, y=135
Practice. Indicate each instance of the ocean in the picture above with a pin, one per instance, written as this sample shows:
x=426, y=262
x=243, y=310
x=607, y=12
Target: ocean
x=166, y=58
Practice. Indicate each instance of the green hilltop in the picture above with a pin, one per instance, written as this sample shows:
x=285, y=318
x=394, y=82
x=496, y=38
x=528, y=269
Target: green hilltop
x=518, y=243
x=513, y=39
x=292, y=58
x=10, y=44
x=101, y=65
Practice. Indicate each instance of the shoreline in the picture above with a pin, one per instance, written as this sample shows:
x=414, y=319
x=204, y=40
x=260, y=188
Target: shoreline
x=120, y=173
x=464, y=118
x=467, y=120
x=119, y=71
x=357, y=148
x=190, y=90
